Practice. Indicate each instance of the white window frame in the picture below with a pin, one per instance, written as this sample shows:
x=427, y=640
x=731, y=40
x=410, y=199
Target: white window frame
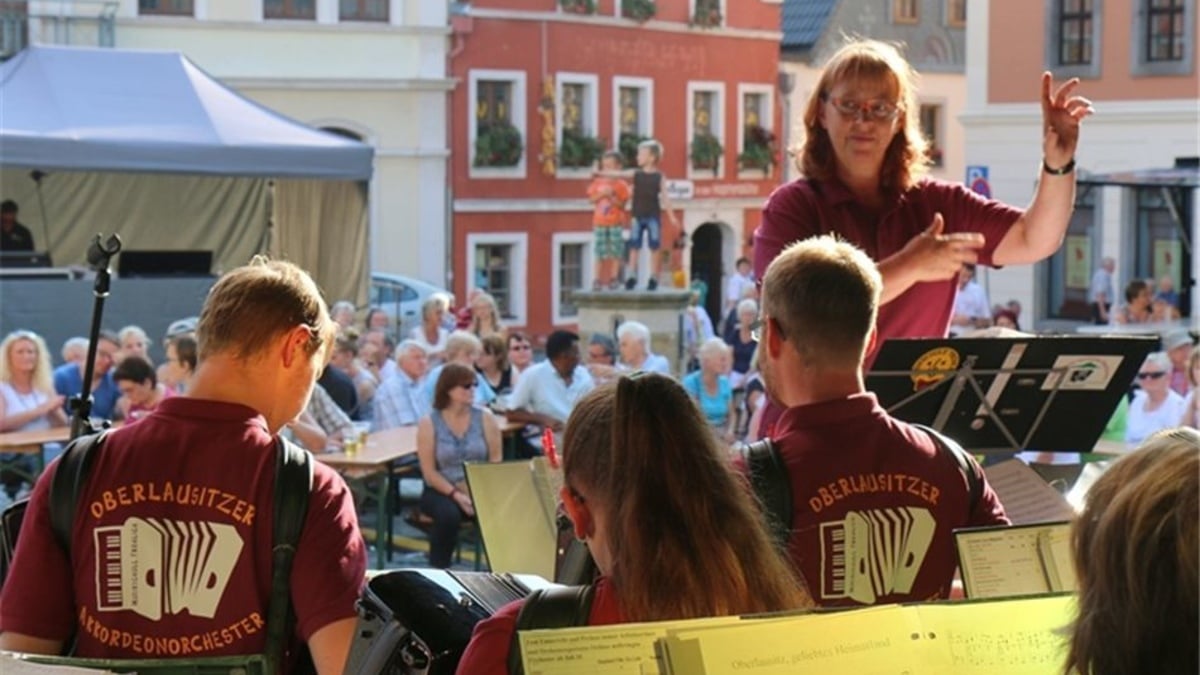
x=518, y=264
x=768, y=93
x=591, y=116
x=718, y=88
x=692, y=12
x=557, y=241
x=516, y=115
x=646, y=117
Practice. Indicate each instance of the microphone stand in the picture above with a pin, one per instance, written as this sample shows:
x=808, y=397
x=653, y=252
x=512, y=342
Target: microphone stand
x=98, y=256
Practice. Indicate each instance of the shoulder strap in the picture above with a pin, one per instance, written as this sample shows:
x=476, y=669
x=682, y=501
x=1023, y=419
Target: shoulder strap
x=68, y=482
x=557, y=607
x=770, y=480
x=950, y=449
x=293, y=482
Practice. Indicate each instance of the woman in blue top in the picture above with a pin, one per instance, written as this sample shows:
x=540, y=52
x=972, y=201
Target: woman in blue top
x=455, y=432
x=711, y=389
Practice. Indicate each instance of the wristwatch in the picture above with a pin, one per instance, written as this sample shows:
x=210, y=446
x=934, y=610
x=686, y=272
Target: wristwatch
x=1068, y=168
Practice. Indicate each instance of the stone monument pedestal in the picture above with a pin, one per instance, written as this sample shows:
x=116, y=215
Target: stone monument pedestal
x=661, y=311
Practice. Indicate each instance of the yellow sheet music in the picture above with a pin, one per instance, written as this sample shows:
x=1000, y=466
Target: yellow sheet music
x=625, y=648
x=873, y=641
x=1006, y=637
x=512, y=518
x=1011, y=637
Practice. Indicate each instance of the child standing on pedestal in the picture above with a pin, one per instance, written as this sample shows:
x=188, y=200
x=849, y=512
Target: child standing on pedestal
x=649, y=201
x=609, y=195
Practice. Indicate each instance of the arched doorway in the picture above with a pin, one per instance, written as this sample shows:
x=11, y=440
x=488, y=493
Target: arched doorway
x=707, y=247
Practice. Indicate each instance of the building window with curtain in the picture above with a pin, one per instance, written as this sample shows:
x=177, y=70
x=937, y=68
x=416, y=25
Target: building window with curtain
x=290, y=9
x=632, y=120
x=363, y=10
x=1075, y=33
x=570, y=277
x=1073, y=38
x=166, y=7
x=1165, y=30
x=706, y=149
x=492, y=105
x=493, y=273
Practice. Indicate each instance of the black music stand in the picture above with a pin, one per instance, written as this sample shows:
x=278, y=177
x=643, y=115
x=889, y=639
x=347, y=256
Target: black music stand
x=1009, y=394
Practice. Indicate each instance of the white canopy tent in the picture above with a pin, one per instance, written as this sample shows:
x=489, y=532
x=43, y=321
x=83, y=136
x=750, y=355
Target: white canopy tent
x=145, y=144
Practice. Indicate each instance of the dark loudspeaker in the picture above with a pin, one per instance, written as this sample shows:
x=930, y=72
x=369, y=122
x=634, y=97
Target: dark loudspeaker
x=165, y=264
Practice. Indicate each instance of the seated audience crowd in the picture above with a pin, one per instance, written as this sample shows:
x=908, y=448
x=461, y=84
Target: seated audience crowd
x=654, y=480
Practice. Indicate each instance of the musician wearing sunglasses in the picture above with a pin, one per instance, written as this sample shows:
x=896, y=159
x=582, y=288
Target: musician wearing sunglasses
x=864, y=161
x=1155, y=405
x=455, y=432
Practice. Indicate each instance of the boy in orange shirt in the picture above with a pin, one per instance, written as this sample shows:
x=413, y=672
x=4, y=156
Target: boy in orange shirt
x=609, y=196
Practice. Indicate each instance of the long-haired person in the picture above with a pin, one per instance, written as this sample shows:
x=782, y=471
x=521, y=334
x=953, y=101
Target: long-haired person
x=865, y=162
x=673, y=532
x=28, y=401
x=455, y=432
x=1137, y=556
x=494, y=366
x=485, y=316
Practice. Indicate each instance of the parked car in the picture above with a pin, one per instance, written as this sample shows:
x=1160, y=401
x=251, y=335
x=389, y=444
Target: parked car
x=401, y=297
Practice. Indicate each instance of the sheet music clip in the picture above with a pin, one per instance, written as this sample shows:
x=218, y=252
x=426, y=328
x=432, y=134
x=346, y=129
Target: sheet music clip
x=1009, y=394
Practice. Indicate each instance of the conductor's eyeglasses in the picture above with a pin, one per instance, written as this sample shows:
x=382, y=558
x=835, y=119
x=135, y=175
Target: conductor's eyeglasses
x=879, y=111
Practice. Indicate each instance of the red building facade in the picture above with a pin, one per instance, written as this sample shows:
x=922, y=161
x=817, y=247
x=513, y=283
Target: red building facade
x=543, y=85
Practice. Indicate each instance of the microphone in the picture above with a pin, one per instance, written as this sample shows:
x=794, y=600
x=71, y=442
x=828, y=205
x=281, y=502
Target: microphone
x=98, y=254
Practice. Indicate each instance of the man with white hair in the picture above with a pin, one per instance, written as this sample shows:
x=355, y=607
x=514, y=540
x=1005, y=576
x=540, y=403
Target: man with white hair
x=633, y=341
x=400, y=402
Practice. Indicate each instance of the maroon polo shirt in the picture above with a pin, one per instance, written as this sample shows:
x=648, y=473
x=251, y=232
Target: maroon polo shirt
x=171, y=545
x=807, y=208
x=874, y=504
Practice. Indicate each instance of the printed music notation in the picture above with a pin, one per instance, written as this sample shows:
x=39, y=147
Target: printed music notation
x=1006, y=648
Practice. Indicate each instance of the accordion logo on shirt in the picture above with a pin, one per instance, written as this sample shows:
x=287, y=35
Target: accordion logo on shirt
x=154, y=567
x=874, y=553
